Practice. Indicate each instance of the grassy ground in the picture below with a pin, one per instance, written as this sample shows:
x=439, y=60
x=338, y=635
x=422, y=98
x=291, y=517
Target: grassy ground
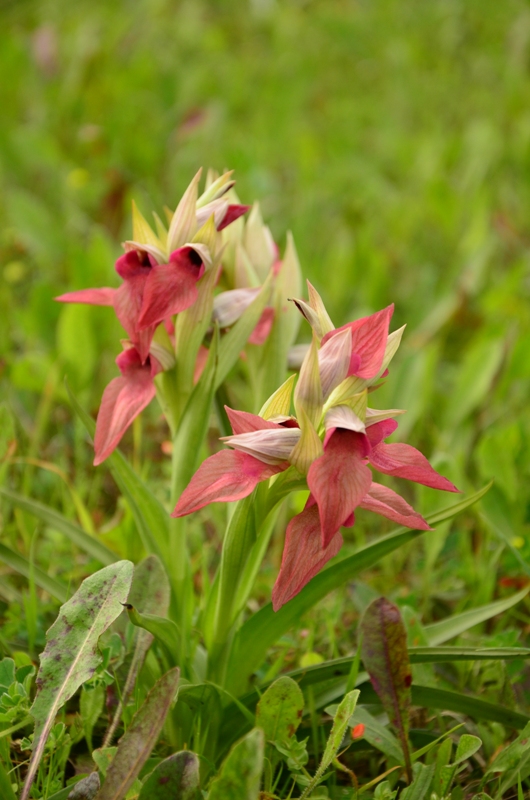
x=393, y=139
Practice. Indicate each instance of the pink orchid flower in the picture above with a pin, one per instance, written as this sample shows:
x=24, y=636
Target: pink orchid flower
x=336, y=443
x=123, y=399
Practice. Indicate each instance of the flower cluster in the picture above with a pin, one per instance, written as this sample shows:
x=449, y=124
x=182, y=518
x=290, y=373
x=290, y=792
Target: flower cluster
x=334, y=439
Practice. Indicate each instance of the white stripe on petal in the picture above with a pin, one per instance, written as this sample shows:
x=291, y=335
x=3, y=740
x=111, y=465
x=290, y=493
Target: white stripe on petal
x=272, y=446
x=344, y=417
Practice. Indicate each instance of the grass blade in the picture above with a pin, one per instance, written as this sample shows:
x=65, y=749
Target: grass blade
x=23, y=567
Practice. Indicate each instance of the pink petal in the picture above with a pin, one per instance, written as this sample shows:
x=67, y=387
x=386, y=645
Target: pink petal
x=172, y=287
x=123, y=399
x=380, y=430
x=303, y=555
x=338, y=480
x=404, y=461
x=200, y=363
x=334, y=361
x=128, y=304
x=233, y=212
x=245, y=422
x=387, y=503
x=263, y=328
x=92, y=297
x=224, y=477
x=133, y=264
x=369, y=337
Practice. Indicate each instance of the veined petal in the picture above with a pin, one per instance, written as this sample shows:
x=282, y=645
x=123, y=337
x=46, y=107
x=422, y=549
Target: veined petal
x=270, y=445
x=380, y=430
x=334, y=361
x=233, y=212
x=92, y=297
x=369, y=338
x=216, y=188
x=224, y=477
x=142, y=231
x=172, y=287
x=317, y=304
x=382, y=500
x=309, y=446
x=339, y=479
x=346, y=391
x=308, y=391
x=279, y=403
x=184, y=223
x=392, y=344
x=156, y=253
x=127, y=304
x=263, y=327
x=303, y=555
x=258, y=243
x=404, y=461
x=245, y=422
x=374, y=415
x=123, y=399
x=228, y=306
x=343, y=417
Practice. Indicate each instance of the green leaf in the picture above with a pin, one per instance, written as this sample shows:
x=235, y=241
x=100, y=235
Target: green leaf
x=91, y=705
x=161, y=628
x=439, y=632
x=377, y=734
x=262, y=629
x=340, y=723
x=151, y=519
x=467, y=746
x=385, y=657
x=86, y=789
x=423, y=776
x=280, y=709
x=235, y=340
x=175, y=778
x=240, y=774
x=89, y=544
x=477, y=370
x=23, y=567
x=512, y=756
x=70, y=657
x=140, y=737
x=6, y=791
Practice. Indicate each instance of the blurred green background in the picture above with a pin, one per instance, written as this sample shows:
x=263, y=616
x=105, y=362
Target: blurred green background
x=392, y=138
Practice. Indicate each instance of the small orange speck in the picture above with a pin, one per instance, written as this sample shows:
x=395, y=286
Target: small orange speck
x=358, y=731
x=167, y=448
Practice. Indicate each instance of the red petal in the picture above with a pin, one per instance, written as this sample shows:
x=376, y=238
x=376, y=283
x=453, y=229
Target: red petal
x=303, y=555
x=171, y=288
x=384, y=501
x=369, y=337
x=232, y=213
x=226, y=476
x=338, y=480
x=123, y=399
x=128, y=304
x=263, y=328
x=131, y=265
x=380, y=430
x=245, y=422
x=404, y=461
x=92, y=297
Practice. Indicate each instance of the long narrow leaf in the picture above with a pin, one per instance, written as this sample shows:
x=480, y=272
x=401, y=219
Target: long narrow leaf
x=264, y=628
x=440, y=632
x=23, y=567
x=89, y=544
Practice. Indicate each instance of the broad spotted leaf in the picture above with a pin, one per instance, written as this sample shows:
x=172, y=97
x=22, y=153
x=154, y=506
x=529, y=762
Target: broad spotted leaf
x=240, y=775
x=140, y=737
x=385, y=657
x=280, y=709
x=175, y=778
x=70, y=657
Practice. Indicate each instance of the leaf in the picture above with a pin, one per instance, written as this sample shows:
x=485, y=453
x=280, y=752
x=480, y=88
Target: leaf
x=70, y=657
x=161, y=628
x=421, y=783
x=175, y=778
x=89, y=544
x=6, y=790
x=140, y=737
x=377, y=734
x=86, y=789
x=240, y=774
x=150, y=591
x=467, y=746
x=23, y=567
x=90, y=707
x=439, y=632
x=340, y=723
x=265, y=627
x=511, y=756
x=280, y=709
x=151, y=519
x=385, y=657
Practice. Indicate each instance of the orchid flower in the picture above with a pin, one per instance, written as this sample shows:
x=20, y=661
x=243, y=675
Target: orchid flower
x=160, y=270
x=335, y=441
